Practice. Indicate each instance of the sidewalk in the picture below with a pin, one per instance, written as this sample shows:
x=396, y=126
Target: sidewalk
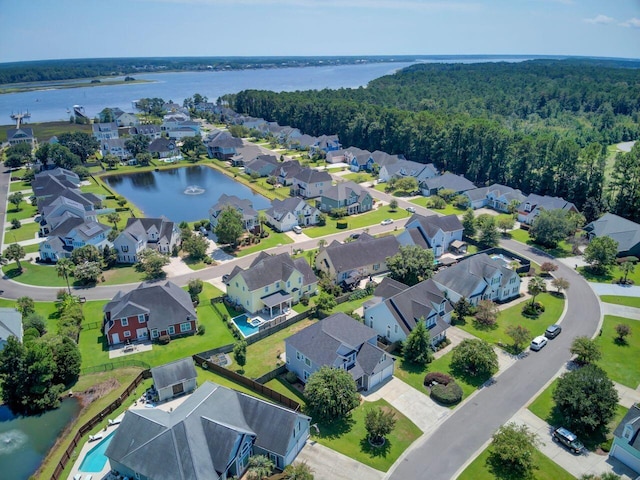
x=615, y=289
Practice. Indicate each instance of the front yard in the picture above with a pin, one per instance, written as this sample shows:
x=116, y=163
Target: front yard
x=563, y=249
x=612, y=275
x=620, y=359
x=449, y=209
x=27, y=231
x=362, y=220
x=620, y=300
x=274, y=239
x=349, y=437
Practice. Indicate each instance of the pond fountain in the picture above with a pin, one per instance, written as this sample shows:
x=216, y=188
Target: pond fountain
x=194, y=190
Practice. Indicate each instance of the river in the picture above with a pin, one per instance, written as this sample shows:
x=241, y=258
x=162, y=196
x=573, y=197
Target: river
x=51, y=104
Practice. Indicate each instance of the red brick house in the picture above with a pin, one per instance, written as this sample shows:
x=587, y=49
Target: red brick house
x=149, y=311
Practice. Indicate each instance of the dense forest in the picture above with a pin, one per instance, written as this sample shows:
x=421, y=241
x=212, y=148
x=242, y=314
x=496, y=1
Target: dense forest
x=541, y=125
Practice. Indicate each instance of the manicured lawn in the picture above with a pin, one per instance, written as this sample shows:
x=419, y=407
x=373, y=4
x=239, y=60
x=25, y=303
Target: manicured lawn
x=279, y=384
x=46, y=275
x=262, y=356
x=48, y=311
x=449, y=209
x=96, y=187
x=620, y=360
x=44, y=131
x=358, y=177
x=19, y=186
x=31, y=248
x=562, y=250
x=26, y=211
x=195, y=266
x=612, y=275
x=414, y=375
x=513, y=316
x=349, y=437
x=28, y=231
x=120, y=274
x=620, y=300
x=351, y=305
x=546, y=469
x=357, y=221
x=207, y=375
x=273, y=240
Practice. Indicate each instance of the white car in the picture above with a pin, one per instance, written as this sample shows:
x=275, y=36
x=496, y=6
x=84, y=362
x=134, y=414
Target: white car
x=538, y=342
x=411, y=209
x=387, y=221
x=297, y=229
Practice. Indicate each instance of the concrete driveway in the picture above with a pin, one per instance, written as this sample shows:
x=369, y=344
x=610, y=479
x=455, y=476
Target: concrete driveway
x=328, y=464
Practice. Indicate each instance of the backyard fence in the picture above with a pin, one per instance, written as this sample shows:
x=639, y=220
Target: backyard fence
x=271, y=328
x=90, y=425
x=90, y=326
x=267, y=377
x=247, y=382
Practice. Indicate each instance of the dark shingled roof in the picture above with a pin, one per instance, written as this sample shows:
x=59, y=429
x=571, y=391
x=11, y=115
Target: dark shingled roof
x=449, y=181
x=309, y=175
x=623, y=231
x=432, y=223
x=546, y=202
x=174, y=372
x=267, y=269
x=366, y=250
x=632, y=417
x=464, y=277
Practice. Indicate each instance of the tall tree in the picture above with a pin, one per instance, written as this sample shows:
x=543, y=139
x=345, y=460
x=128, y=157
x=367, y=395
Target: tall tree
x=469, y=224
x=512, y=451
x=475, y=357
x=535, y=287
x=114, y=218
x=411, y=265
x=137, y=144
x=331, y=393
x=379, y=423
x=152, y=263
x=15, y=252
x=417, y=346
x=240, y=353
x=586, y=350
x=80, y=143
x=601, y=253
x=229, y=227
x=550, y=227
x=64, y=268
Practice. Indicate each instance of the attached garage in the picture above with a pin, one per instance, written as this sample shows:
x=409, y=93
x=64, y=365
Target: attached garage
x=380, y=376
x=626, y=439
x=626, y=457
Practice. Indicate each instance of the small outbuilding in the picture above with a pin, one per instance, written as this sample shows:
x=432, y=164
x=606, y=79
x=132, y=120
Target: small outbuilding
x=174, y=379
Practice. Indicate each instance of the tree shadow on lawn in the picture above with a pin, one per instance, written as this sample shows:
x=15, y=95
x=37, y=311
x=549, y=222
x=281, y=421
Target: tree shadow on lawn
x=591, y=276
x=13, y=272
x=591, y=441
x=484, y=327
x=335, y=428
x=620, y=342
x=372, y=451
x=473, y=380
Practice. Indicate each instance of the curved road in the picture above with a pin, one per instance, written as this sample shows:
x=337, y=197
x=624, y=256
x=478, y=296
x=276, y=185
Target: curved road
x=458, y=438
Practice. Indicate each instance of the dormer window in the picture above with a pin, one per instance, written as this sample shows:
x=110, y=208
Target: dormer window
x=628, y=432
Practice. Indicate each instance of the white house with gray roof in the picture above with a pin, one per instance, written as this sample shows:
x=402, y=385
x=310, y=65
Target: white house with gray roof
x=10, y=325
x=433, y=232
x=242, y=205
x=407, y=168
x=174, y=379
x=623, y=231
x=479, y=277
x=531, y=207
x=210, y=436
x=271, y=284
x=446, y=181
x=496, y=196
x=396, y=309
x=286, y=214
x=159, y=234
x=339, y=341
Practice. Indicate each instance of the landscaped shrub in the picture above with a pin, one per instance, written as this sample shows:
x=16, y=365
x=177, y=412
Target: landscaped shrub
x=304, y=300
x=446, y=394
x=164, y=339
x=291, y=377
x=358, y=295
x=437, y=377
x=534, y=310
x=201, y=329
x=341, y=225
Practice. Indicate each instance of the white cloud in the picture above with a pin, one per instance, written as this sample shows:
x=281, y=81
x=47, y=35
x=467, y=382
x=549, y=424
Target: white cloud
x=632, y=22
x=364, y=4
x=600, y=20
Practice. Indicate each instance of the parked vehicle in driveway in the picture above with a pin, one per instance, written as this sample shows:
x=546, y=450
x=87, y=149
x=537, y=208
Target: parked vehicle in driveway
x=411, y=210
x=297, y=229
x=552, y=331
x=568, y=439
x=386, y=221
x=538, y=342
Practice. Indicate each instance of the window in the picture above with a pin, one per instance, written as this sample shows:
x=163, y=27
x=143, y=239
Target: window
x=376, y=267
x=124, y=322
x=171, y=330
x=127, y=334
x=141, y=318
x=124, y=248
x=305, y=375
x=266, y=289
x=307, y=362
x=289, y=284
x=298, y=356
x=154, y=333
x=185, y=327
x=395, y=329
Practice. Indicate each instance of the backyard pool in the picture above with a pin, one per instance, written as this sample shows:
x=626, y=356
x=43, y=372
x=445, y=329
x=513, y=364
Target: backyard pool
x=246, y=325
x=95, y=460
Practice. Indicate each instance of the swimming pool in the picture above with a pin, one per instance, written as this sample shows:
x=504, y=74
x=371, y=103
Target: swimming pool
x=244, y=324
x=95, y=460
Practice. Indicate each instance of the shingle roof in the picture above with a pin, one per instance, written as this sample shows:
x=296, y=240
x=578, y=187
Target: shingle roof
x=623, y=231
x=241, y=204
x=431, y=224
x=174, y=372
x=546, y=202
x=366, y=250
x=279, y=208
x=267, y=269
x=465, y=277
x=10, y=323
x=631, y=417
x=161, y=145
x=24, y=131
x=138, y=227
x=309, y=175
x=449, y=181
x=344, y=190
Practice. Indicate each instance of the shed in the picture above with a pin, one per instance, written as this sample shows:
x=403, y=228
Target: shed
x=174, y=379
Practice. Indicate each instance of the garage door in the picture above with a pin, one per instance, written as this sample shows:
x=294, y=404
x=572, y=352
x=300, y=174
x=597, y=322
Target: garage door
x=626, y=458
x=380, y=376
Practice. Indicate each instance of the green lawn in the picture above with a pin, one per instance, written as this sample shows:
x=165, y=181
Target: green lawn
x=357, y=221
x=351, y=305
x=279, y=384
x=612, y=275
x=44, y=131
x=620, y=360
x=121, y=274
x=447, y=210
x=28, y=231
x=26, y=211
x=349, y=437
x=19, y=186
x=207, y=375
x=562, y=250
x=262, y=356
x=273, y=240
x=31, y=248
x=546, y=469
x=414, y=375
x=358, y=177
x=620, y=300
x=513, y=316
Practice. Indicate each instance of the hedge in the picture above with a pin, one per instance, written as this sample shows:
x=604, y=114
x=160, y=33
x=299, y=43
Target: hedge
x=437, y=377
x=446, y=394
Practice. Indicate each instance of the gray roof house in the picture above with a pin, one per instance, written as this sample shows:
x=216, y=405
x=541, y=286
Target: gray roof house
x=432, y=232
x=151, y=131
x=20, y=135
x=339, y=341
x=262, y=165
x=310, y=183
x=407, y=168
x=10, y=324
x=348, y=263
x=242, y=205
x=286, y=214
x=623, y=231
x=59, y=172
x=347, y=195
x=496, y=196
x=173, y=379
x=159, y=234
x=150, y=310
x=531, y=207
x=479, y=277
x=395, y=311
x=626, y=439
x=446, y=181
x=104, y=131
x=210, y=436
x=222, y=145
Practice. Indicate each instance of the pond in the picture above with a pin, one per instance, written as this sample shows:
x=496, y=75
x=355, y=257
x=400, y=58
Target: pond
x=185, y=193
x=24, y=441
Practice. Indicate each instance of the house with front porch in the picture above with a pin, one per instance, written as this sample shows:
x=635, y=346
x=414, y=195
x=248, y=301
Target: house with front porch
x=446, y=181
x=286, y=214
x=433, y=232
x=498, y=197
x=211, y=435
x=348, y=195
x=531, y=207
x=479, y=277
x=348, y=263
x=396, y=309
x=341, y=342
x=16, y=136
x=242, y=205
x=159, y=234
x=271, y=284
x=310, y=183
x=149, y=311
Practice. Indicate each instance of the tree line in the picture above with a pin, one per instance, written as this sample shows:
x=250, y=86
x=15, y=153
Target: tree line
x=490, y=122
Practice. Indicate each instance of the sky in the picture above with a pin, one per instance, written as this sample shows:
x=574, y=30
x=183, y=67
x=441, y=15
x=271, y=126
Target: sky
x=48, y=29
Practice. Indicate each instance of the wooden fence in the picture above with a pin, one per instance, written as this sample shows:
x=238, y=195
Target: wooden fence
x=267, y=377
x=90, y=425
x=105, y=367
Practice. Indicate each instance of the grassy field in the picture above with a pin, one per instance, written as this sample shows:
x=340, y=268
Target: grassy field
x=357, y=221
x=19, y=186
x=349, y=437
x=26, y=211
x=562, y=250
x=546, y=469
x=612, y=275
x=28, y=231
x=620, y=300
x=359, y=177
x=447, y=210
x=620, y=359
x=274, y=239
x=513, y=316
x=44, y=131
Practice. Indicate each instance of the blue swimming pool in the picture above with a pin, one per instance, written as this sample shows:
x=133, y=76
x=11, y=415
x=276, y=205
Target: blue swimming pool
x=95, y=460
x=242, y=322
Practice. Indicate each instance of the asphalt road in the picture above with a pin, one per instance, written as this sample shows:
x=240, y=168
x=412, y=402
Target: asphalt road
x=443, y=453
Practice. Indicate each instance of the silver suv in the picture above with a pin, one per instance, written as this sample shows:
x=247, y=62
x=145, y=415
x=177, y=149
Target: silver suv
x=568, y=439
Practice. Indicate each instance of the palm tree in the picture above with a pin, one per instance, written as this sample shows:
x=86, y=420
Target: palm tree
x=627, y=268
x=64, y=267
x=298, y=471
x=535, y=288
x=262, y=219
x=259, y=467
x=114, y=218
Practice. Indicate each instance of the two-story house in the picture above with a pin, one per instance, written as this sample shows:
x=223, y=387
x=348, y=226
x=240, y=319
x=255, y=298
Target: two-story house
x=105, y=131
x=531, y=207
x=326, y=143
x=71, y=232
x=242, y=205
x=222, y=145
x=407, y=168
x=286, y=214
x=626, y=439
x=271, y=284
x=211, y=435
x=496, y=196
x=115, y=146
x=125, y=119
x=149, y=311
x=310, y=183
x=396, y=309
x=159, y=234
x=623, y=231
x=348, y=263
x=347, y=195
x=446, y=181
x=262, y=165
x=479, y=277
x=339, y=341
x=164, y=148
x=151, y=131
x=433, y=232
x=16, y=136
